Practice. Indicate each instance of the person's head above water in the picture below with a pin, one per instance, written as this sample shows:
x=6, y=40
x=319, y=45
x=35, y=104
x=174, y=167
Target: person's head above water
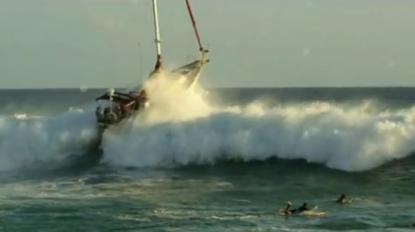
x=341, y=199
x=303, y=207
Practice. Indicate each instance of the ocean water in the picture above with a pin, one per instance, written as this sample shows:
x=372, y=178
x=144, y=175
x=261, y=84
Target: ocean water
x=226, y=160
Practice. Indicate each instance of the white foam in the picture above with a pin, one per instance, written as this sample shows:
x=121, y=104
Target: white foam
x=27, y=140
x=181, y=127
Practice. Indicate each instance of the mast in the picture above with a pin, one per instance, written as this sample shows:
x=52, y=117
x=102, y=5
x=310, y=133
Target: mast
x=157, y=35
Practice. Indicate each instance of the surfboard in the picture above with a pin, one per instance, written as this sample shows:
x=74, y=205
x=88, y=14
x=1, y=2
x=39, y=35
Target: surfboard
x=314, y=212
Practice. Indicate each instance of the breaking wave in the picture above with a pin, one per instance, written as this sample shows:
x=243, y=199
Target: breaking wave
x=26, y=140
x=182, y=127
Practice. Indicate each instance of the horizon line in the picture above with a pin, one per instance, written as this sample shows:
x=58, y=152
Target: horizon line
x=219, y=87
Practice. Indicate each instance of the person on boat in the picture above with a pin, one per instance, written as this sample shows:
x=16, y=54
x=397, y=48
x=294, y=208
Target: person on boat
x=342, y=199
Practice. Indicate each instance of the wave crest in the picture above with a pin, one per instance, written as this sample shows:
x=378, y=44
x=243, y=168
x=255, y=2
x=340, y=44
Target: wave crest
x=353, y=138
x=28, y=140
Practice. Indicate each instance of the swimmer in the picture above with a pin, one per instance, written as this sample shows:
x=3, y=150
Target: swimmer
x=343, y=199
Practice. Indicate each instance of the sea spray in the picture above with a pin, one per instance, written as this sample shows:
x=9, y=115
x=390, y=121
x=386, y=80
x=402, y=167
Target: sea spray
x=172, y=101
x=25, y=141
x=181, y=127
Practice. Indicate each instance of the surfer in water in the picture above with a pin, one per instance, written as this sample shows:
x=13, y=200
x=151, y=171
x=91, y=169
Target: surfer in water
x=342, y=200
x=288, y=211
x=303, y=208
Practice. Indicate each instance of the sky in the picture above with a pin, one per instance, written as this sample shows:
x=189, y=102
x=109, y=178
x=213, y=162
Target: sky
x=262, y=43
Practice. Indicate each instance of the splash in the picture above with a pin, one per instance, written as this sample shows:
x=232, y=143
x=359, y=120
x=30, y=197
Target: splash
x=172, y=101
x=183, y=127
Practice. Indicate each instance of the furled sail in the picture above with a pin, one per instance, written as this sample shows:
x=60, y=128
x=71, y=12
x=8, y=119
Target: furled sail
x=192, y=70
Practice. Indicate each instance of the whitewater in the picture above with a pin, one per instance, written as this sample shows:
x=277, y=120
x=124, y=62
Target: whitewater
x=190, y=126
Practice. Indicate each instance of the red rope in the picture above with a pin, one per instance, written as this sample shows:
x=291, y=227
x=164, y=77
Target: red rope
x=194, y=25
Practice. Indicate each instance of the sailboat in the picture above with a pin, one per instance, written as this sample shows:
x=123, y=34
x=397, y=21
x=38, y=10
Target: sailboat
x=118, y=106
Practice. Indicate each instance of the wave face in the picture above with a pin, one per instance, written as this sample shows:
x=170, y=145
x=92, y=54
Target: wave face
x=350, y=140
x=183, y=127
x=27, y=140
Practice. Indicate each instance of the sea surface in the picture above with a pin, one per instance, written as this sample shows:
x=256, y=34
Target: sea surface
x=226, y=162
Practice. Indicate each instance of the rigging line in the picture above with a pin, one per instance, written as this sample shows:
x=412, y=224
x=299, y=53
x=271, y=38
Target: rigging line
x=189, y=8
